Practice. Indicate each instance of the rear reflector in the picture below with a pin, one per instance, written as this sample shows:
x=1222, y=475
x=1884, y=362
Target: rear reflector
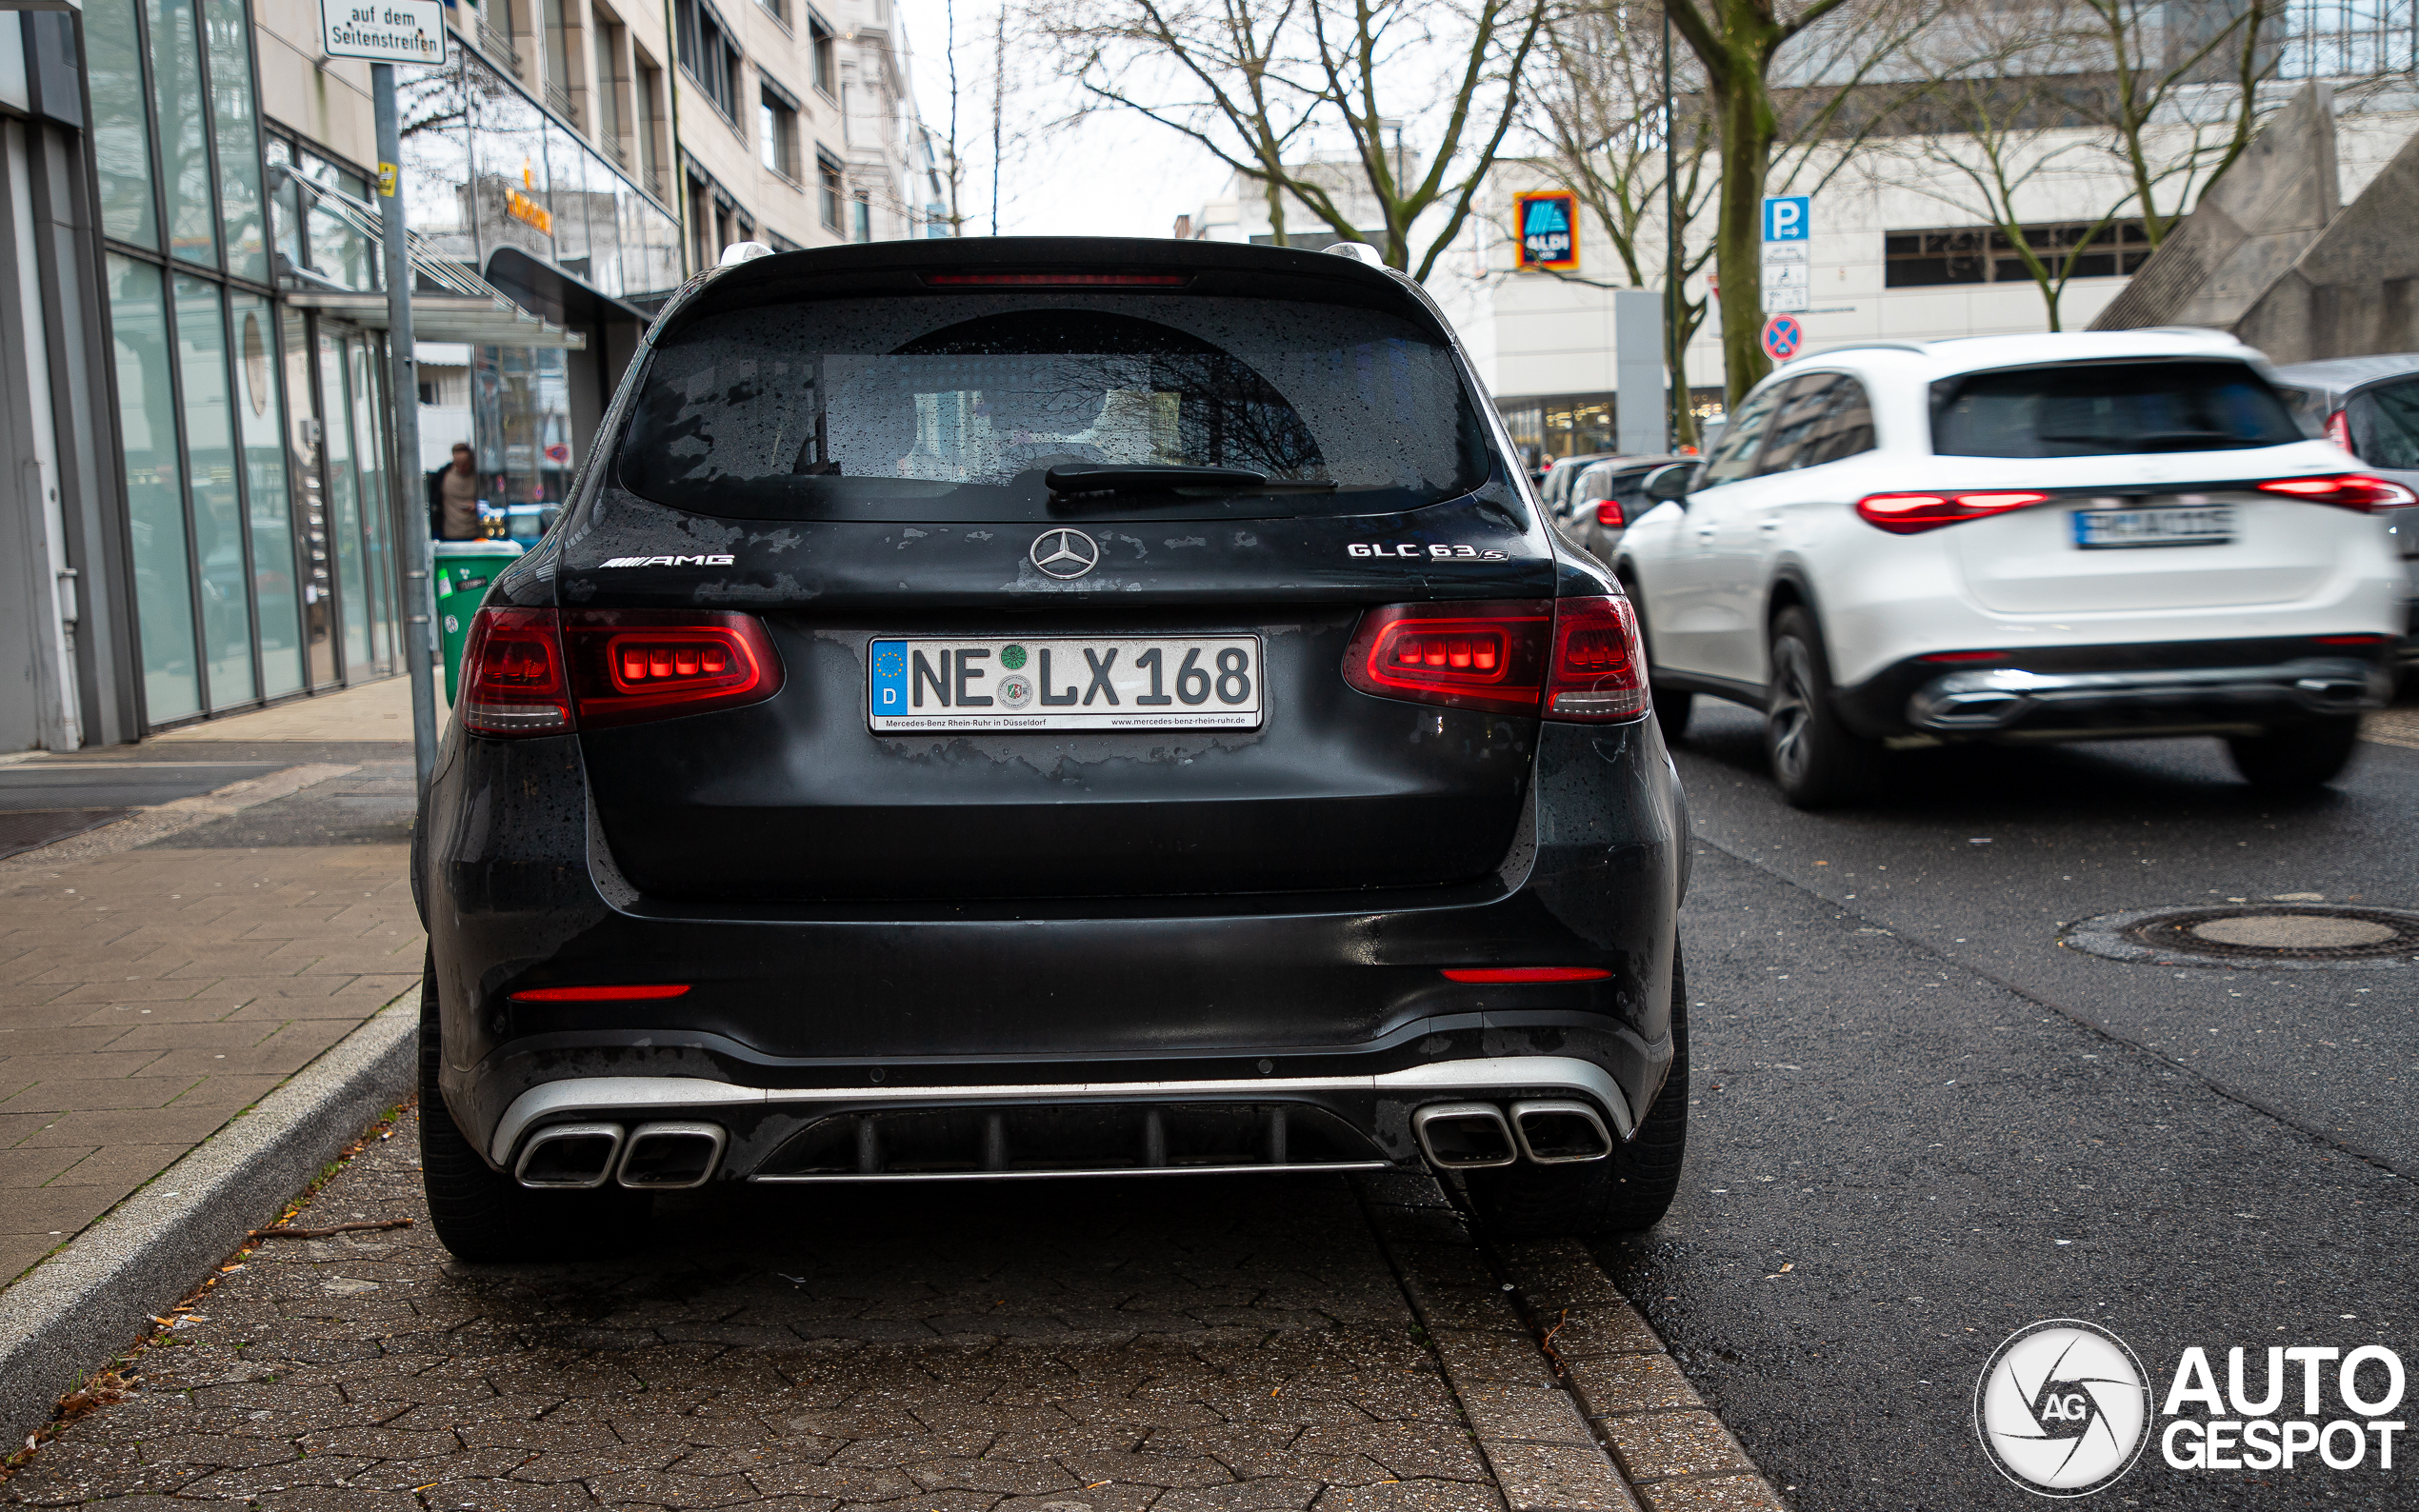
x=1913, y=513
x=548, y=671
x=1964, y=656
x=1504, y=974
x=634, y=993
x=513, y=677
x=1609, y=514
x=2350, y=639
x=1564, y=659
x=1050, y=280
x=2350, y=490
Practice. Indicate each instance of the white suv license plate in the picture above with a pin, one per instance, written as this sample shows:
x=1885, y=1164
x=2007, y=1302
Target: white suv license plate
x=2112, y=529
x=1188, y=682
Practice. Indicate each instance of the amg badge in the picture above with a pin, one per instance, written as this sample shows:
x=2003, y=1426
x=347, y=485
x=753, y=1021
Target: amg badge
x=667, y=561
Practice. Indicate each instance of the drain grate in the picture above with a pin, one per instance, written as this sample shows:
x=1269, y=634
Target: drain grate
x=2237, y=935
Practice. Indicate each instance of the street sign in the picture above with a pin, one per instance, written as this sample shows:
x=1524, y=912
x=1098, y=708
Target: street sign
x=1548, y=222
x=1782, y=337
x=1787, y=274
x=384, y=31
x=1787, y=217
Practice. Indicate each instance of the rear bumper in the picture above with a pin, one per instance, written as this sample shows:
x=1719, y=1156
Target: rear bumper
x=1075, y=1011
x=2083, y=693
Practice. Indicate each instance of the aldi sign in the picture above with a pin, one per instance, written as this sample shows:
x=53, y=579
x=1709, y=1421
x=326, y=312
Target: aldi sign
x=1548, y=222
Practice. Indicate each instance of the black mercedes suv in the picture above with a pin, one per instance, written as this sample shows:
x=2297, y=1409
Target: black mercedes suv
x=1030, y=707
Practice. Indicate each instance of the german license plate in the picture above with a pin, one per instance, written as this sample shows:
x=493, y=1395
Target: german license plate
x=2109, y=529
x=1188, y=682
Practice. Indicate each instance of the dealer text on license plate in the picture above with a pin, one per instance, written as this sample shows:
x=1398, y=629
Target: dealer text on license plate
x=2108, y=530
x=1161, y=683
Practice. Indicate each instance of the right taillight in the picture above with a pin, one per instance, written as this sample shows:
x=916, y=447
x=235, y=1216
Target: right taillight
x=2339, y=431
x=1562, y=659
x=1598, y=669
x=513, y=677
x=1609, y=514
x=2351, y=490
x=1487, y=655
x=1913, y=513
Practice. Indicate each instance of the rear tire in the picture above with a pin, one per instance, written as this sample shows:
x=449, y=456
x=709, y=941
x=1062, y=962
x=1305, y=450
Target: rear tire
x=1816, y=760
x=482, y=1214
x=2299, y=757
x=1630, y=1188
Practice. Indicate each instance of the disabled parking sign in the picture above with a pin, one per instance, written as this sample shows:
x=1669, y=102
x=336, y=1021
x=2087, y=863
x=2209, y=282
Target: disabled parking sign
x=1782, y=337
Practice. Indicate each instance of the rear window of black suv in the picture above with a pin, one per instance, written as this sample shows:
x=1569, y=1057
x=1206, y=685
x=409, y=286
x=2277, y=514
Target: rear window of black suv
x=2091, y=410
x=956, y=407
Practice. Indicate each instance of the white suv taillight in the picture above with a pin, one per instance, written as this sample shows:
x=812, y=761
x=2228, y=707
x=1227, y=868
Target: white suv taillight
x=1913, y=513
x=2350, y=490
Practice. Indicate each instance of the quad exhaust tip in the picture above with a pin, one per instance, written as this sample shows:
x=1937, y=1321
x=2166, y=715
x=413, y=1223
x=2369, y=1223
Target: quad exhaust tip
x=572, y=1157
x=668, y=1157
x=653, y=1156
x=1465, y=1136
x=1561, y=1131
x=1474, y=1136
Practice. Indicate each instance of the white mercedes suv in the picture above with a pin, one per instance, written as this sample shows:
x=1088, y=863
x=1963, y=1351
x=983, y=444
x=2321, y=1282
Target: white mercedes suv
x=2022, y=538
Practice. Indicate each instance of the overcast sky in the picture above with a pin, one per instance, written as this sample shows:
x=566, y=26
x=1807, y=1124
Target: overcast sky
x=1120, y=176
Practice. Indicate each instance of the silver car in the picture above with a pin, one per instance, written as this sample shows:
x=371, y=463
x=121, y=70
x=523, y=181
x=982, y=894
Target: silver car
x=2369, y=407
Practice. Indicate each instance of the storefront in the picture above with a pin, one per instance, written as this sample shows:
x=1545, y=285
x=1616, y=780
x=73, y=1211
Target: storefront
x=243, y=277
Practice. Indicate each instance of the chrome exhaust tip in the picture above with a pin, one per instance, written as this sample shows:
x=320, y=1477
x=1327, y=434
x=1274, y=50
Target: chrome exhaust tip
x=667, y=1157
x=570, y=1156
x=1464, y=1136
x=1560, y=1132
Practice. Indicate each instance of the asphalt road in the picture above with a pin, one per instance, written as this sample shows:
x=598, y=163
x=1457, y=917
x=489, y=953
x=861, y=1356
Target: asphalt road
x=1922, y=1122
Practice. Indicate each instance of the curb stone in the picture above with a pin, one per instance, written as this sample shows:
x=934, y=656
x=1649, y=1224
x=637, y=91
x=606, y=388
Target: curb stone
x=1530, y=1430
x=89, y=1301
x=1675, y=1453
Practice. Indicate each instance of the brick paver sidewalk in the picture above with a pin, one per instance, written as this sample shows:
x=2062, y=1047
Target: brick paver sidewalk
x=149, y=994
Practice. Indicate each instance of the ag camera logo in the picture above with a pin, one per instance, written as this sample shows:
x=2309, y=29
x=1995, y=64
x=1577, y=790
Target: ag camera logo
x=2063, y=1409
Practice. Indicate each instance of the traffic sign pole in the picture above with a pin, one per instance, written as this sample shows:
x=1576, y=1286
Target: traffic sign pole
x=419, y=608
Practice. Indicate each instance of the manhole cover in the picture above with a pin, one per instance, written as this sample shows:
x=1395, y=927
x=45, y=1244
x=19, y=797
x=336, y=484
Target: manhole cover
x=2303, y=935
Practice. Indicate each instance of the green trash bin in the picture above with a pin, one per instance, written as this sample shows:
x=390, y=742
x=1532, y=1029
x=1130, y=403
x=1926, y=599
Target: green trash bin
x=464, y=569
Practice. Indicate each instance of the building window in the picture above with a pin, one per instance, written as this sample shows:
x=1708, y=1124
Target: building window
x=649, y=126
x=609, y=128
x=863, y=229
x=708, y=53
x=777, y=131
x=830, y=188
x=1980, y=254
x=778, y=9
x=827, y=55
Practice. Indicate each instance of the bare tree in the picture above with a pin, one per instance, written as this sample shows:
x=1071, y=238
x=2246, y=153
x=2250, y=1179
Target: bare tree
x=1250, y=80
x=1736, y=43
x=2031, y=107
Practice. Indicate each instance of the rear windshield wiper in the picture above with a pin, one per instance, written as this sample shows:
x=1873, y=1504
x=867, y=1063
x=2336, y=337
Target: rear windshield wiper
x=2164, y=440
x=1155, y=478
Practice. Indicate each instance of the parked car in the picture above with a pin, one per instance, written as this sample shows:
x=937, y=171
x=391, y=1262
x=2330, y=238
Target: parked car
x=2369, y=407
x=1605, y=496
x=1560, y=474
x=2023, y=539
x=1012, y=708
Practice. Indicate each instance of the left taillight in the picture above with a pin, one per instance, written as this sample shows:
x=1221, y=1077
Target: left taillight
x=1609, y=514
x=1913, y=513
x=548, y=671
x=633, y=665
x=1577, y=659
x=514, y=680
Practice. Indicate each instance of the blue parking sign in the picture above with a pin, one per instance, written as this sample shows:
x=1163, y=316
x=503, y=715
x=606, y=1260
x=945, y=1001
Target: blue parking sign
x=1787, y=217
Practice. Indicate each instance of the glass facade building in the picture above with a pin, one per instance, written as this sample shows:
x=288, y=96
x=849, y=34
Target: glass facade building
x=263, y=495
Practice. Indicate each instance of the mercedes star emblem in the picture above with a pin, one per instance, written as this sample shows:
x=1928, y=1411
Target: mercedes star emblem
x=1065, y=553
